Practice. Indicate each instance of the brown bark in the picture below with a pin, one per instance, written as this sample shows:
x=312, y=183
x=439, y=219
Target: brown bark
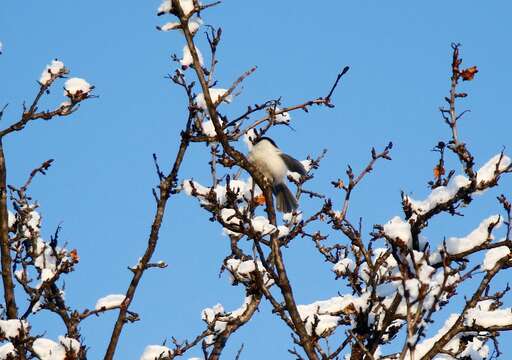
x=10, y=301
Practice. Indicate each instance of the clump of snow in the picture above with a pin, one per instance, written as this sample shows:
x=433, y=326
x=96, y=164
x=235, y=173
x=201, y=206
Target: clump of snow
x=187, y=59
x=399, y=230
x=283, y=231
x=110, y=301
x=476, y=349
x=209, y=314
x=427, y=344
x=486, y=318
x=47, y=274
x=229, y=217
x=193, y=25
x=166, y=7
x=456, y=245
x=493, y=256
x=208, y=128
x=33, y=224
x=11, y=219
x=7, y=349
x=55, y=68
x=325, y=314
x=45, y=256
x=292, y=218
x=343, y=266
x=76, y=86
x=190, y=185
x=439, y=195
x=262, y=225
x=220, y=324
x=486, y=172
x=215, y=95
x=281, y=118
x=241, y=270
x=240, y=188
x=70, y=344
x=169, y=26
x=12, y=328
x=47, y=349
x=152, y=352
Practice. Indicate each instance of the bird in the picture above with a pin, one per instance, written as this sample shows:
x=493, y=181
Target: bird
x=266, y=156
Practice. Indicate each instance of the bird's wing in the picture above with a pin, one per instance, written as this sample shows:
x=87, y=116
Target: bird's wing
x=293, y=165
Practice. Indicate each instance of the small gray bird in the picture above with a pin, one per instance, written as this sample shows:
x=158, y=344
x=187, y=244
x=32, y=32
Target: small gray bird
x=274, y=164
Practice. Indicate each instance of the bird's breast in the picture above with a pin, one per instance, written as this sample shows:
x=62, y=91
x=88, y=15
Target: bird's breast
x=270, y=164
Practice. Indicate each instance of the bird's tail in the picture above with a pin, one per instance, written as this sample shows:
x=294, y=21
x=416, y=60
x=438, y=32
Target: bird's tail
x=285, y=201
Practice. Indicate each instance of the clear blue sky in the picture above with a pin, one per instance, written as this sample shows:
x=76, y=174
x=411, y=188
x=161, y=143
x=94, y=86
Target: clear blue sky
x=100, y=185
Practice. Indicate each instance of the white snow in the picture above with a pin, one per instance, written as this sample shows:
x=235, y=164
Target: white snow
x=11, y=328
x=282, y=118
x=166, y=6
x=476, y=349
x=189, y=186
x=439, y=195
x=262, y=225
x=486, y=172
x=47, y=349
x=325, y=313
x=228, y=216
x=56, y=67
x=221, y=322
x=152, y=352
x=11, y=219
x=110, y=301
x=215, y=95
x=400, y=230
x=344, y=265
x=443, y=194
x=456, y=245
x=47, y=274
x=7, y=349
x=486, y=318
x=34, y=222
x=241, y=270
x=292, y=218
x=70, y=344
x=427, y=344
x=241, y=188
x=187, y=59
x=74, y=85
x=209, y=314
x=45, y=257
x=169, y=26
x=282, y=231
x=493, y=256
x=208, y=128
x=193, y=25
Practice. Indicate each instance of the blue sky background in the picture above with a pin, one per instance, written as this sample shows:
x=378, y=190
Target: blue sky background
x=100, y=185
